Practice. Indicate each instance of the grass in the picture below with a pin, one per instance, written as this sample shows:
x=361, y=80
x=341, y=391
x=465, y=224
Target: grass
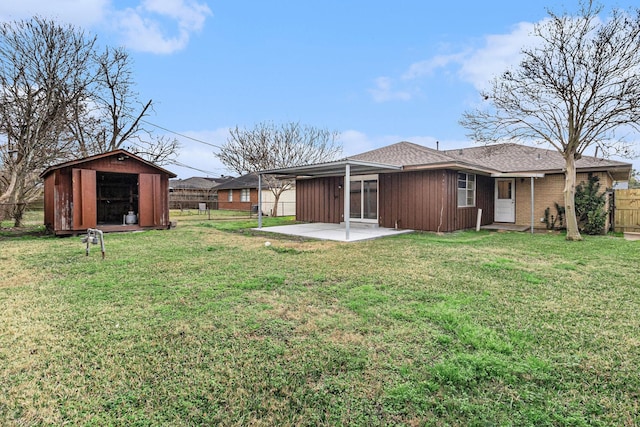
x=203, y=324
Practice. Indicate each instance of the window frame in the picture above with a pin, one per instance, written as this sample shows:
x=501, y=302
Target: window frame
x=245, y=195
x=230, y=196
x=469, y=189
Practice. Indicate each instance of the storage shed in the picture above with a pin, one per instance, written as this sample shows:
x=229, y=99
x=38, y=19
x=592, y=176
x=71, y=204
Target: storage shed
x=114, y=191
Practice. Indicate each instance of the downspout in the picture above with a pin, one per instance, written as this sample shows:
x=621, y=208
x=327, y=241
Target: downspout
x=347, y=199
x=259, y=200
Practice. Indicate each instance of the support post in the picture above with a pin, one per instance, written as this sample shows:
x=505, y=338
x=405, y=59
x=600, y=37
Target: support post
x=532, y=207
x=259, y=200
x=347, y=199
x=479, y=220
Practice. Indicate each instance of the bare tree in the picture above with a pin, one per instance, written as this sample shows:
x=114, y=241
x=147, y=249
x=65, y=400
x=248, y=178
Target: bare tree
x=42, y=76
x=578, y=88
x=60, y=98
x=111, y=116
x=268, y=146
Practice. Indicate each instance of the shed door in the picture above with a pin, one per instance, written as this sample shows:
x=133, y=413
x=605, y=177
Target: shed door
x=150, y=200
x=84, y=199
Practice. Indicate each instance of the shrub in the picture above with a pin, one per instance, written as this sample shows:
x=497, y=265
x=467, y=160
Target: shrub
x=590, y=203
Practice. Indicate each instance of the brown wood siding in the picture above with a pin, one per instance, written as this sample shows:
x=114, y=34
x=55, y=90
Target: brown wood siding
x=84, y=199
x=421, y=200
x=320, y=200
x=70, y=187
x=49, y=201
x=467, y=217
x=149, y=204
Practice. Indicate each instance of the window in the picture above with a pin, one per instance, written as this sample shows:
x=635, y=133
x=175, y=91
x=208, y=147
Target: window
x=466, y=189
x=245, y=194
x=230, y=196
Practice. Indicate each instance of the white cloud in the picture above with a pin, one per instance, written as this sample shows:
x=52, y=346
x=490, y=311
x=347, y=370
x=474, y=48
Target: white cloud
x=476, y=66
x=383, y=91
x=500, y=51
x=157, y=26
x=145, y=27
x=428, y=67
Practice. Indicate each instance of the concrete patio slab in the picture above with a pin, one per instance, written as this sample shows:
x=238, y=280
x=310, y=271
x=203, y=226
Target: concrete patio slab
x=336, y=232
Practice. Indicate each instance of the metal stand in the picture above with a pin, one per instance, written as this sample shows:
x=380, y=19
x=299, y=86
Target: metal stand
x=93, y=236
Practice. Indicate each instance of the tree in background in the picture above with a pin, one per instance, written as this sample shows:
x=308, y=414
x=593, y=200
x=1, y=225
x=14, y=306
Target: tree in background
x=634, y=180
x=578, y=88
x=111, y=117
x=60, y=99
x=269, y=146
x=43, y=74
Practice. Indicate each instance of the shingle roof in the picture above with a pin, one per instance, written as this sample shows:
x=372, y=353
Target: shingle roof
x=506, y=158
x=521, y=158
x=193, y=183
x=403, y=154
x=245, y=181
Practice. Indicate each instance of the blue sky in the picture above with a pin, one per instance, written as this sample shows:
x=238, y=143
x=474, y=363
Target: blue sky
x=377, y=72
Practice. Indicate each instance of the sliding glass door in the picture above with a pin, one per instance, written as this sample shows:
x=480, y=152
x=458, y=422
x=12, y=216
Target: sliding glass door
x=364, y=198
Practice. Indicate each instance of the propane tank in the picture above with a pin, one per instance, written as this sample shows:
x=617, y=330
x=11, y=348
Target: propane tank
x=131, y=218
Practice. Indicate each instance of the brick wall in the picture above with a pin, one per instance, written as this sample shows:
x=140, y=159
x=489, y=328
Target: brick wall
x=236, y=204
x=547, y=191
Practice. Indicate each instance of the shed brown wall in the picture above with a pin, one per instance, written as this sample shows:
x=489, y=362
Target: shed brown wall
x=59, y=203
x=421, y=200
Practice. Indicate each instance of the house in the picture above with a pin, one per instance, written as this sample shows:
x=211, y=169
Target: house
x=242, y=194
x=189, y=193
x=410, y=186
x=114, y=191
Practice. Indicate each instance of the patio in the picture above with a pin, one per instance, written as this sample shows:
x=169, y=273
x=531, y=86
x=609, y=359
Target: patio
x=336, y=232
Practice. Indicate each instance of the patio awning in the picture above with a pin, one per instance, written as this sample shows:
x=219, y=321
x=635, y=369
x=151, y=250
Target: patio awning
x=345, y=167
x=336, y=168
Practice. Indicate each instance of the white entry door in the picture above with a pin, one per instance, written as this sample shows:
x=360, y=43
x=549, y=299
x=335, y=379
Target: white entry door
x=505, y=203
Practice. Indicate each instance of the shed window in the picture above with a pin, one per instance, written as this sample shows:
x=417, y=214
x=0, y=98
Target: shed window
x=230, y=196
x=245, y=195
x=466, y=189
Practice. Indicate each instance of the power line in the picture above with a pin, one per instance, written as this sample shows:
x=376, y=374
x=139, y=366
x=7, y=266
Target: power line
x=181, y=135
x=182, y=165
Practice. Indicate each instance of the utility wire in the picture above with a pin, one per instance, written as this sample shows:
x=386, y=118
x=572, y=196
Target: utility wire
x=183, y=136
x=182, y=165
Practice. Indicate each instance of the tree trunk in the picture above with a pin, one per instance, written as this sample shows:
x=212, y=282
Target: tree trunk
x=276, y=199
x=569, y=198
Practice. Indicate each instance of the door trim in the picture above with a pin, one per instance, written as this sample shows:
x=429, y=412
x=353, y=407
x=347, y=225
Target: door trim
x=505, y=208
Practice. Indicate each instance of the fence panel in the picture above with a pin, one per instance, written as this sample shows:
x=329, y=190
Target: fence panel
x=627, y=210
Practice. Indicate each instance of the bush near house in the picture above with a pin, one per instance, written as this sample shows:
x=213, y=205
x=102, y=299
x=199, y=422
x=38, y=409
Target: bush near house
x=198, y=326
x=590, y=206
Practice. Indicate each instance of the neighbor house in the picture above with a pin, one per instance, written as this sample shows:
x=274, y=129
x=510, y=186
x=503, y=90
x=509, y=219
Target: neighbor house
x=113, y=191
x=410, y=186
x=191, y=193
x=242, y=194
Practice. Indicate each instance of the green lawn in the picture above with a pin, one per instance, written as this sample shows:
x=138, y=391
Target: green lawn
x=204, y=325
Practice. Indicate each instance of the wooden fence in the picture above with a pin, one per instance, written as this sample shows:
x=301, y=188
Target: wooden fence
x=627, y=210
